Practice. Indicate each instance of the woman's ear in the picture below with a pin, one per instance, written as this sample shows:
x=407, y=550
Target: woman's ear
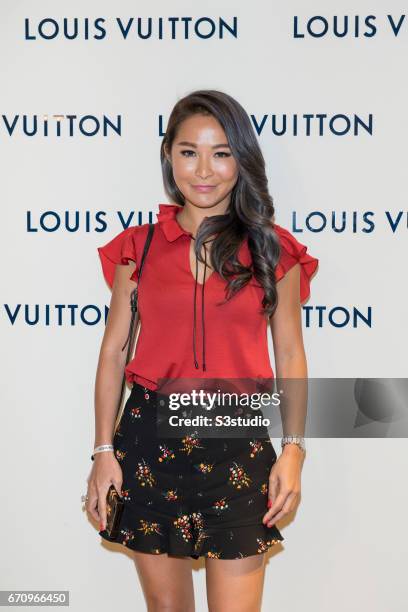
x=166, y=153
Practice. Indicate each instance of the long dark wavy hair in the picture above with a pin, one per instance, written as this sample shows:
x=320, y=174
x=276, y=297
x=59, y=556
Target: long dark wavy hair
x=251, y=209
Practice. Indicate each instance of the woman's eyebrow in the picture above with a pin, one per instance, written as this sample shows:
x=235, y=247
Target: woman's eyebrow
x=185, y=143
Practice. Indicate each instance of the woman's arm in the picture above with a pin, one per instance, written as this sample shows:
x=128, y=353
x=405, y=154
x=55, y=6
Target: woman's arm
x=106, y=469
x=290, y=358
x=286, y=326
x=112, y=359
x=291, y=378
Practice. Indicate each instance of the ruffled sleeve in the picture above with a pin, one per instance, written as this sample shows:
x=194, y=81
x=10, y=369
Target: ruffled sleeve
x=119, y=250
x=293, y=252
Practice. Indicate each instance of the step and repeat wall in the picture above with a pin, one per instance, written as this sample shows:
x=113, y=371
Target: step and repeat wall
x=86, y=91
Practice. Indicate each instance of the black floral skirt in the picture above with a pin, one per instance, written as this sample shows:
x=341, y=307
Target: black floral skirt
x=191, y=496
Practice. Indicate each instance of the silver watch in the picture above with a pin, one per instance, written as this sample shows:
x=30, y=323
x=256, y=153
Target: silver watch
x=299, y=440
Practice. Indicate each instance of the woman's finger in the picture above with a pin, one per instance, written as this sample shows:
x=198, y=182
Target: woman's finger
x=276, y=518
x=273, y=490
x=276, y=507
x=273, y=487
x=286, y=508
x=102, y=493
x=92, y=506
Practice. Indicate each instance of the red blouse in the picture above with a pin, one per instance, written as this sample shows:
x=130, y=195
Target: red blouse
x=173, y=306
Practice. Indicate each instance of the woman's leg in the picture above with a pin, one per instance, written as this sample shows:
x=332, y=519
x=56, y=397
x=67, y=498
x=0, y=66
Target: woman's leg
x=235, y=585
x=167, y=582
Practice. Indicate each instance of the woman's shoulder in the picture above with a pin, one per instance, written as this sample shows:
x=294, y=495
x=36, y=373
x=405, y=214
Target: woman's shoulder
x=124, y=246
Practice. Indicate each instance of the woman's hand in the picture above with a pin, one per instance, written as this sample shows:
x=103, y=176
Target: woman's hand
x=105, y=471
x=284, y=484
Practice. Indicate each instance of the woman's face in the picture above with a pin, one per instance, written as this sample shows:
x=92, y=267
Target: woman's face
x=203, y=166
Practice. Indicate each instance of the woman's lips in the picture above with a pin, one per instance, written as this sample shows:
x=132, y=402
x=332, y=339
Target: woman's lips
x=203, y=188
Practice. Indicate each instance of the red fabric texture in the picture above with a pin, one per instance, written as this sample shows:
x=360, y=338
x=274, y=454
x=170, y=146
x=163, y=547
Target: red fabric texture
x=119, y=250
x=293, y=252
x=235, y=339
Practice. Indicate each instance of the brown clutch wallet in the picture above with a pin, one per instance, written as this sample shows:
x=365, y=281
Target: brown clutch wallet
x=114, y=509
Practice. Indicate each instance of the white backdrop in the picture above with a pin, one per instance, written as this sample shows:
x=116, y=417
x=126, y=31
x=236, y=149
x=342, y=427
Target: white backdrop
x=346, y=544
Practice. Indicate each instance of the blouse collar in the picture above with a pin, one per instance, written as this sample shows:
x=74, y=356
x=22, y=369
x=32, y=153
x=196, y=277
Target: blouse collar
x=167, y=220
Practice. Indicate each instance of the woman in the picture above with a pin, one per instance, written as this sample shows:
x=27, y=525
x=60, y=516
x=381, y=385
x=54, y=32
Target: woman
x=218, y=263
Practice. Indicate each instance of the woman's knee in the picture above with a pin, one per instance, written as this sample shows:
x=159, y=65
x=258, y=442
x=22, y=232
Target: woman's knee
x=235, y=585
x=167, y=582
x=162, y=602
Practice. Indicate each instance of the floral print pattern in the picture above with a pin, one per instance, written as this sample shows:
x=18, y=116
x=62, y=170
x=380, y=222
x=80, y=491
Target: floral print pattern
x=191, y=496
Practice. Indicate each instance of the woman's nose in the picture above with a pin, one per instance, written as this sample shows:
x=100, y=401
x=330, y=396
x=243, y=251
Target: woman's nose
x=203, y=168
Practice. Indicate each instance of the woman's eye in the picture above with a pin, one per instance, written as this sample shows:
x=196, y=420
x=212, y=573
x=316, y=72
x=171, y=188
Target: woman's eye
x=188, y=151
x=185, y=152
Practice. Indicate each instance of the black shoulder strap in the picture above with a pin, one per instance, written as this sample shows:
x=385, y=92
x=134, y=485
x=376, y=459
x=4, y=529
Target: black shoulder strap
x=146, y=248
x=134, y=294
